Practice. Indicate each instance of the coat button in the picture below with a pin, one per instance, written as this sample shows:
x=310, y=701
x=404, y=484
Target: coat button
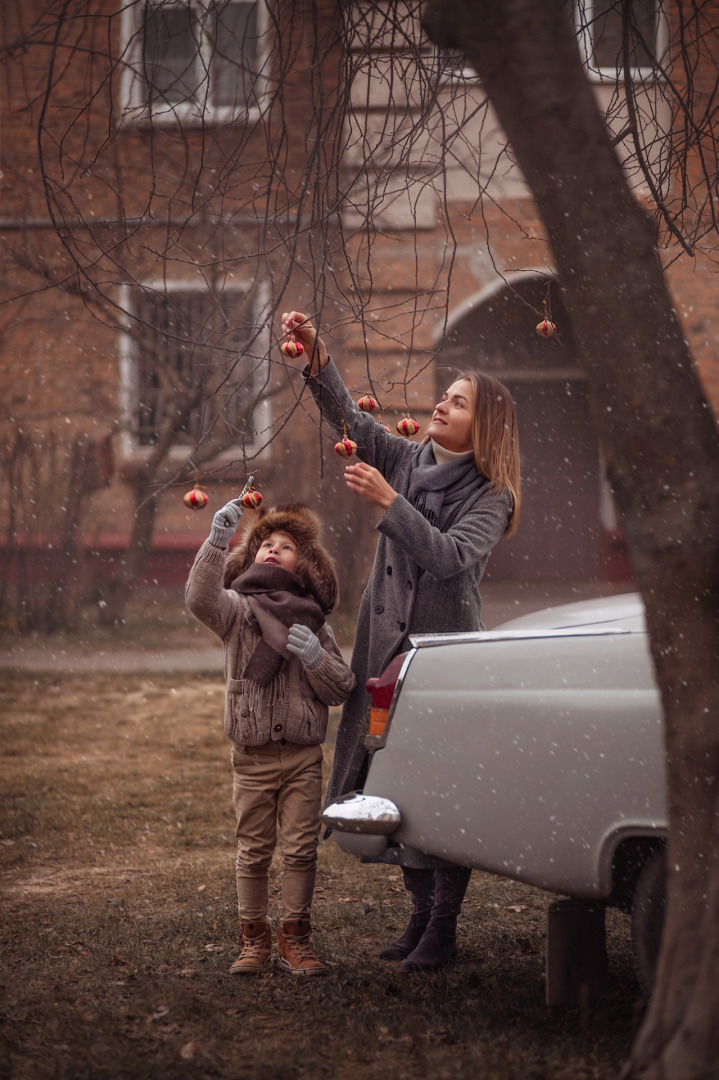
x=389, y=571
x=402, y=626
x=378, y=609
x=278, y=727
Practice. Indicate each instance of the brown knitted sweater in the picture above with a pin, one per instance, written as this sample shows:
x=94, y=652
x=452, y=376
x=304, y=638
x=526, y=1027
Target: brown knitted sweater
x=295, y=705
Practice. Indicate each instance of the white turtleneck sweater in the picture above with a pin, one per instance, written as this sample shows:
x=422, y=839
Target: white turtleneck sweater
x=443, y=457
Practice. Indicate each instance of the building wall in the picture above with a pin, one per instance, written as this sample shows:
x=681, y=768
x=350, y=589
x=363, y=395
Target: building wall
x=215, y=214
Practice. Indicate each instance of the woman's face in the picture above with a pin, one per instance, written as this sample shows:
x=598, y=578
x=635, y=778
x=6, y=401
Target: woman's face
x=278, y=549
x=451, y=424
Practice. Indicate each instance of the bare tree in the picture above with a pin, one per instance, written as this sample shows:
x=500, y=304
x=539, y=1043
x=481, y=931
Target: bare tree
x=662, y=448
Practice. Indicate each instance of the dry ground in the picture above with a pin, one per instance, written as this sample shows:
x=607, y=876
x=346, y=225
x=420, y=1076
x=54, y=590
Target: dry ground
x=119, y=923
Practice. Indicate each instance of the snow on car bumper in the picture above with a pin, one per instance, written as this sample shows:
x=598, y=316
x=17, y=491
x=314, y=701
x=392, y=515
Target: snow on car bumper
x=361, y=823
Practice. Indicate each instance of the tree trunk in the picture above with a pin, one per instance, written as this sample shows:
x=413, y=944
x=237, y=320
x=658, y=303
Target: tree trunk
x=660, y=441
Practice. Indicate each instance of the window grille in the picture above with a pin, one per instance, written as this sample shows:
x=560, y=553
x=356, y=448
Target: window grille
x=199, y=61
x=197, y=372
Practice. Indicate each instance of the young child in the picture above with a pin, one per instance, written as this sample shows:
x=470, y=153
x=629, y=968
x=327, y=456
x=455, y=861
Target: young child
x=267, y=601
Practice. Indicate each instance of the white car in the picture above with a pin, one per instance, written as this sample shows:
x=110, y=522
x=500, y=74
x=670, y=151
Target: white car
x=534, y=751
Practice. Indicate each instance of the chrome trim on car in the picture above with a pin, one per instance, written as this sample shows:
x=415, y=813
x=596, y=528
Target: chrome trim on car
x=422, y=641
x=358, y=813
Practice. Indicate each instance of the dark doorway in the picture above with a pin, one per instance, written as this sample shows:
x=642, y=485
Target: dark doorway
x=560, y=536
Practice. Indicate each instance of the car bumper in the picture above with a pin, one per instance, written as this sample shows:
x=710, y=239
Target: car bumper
x=362, y=823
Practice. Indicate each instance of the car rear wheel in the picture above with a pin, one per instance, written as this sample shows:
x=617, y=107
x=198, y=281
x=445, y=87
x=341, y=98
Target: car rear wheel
x=648, y=918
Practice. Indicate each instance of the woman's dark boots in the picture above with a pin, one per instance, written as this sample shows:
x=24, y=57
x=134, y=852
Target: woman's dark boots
x=420, y=885
x=438, y=944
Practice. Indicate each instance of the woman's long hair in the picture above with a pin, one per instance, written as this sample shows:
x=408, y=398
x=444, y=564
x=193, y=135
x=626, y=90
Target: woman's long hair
x=495, y=438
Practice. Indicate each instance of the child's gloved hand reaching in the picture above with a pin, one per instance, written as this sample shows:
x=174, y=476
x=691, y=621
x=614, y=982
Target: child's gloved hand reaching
x=224, y=524
x=305, y=645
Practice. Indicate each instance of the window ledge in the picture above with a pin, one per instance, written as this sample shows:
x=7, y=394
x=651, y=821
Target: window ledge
x=187, y=116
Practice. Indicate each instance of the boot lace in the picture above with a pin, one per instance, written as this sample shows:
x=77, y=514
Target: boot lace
x=252, y=948
x=301, y=948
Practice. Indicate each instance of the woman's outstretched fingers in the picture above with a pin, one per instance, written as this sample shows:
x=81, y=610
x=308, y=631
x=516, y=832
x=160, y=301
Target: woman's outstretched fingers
x=301, y=328
x=291, y=320
x=369, y=484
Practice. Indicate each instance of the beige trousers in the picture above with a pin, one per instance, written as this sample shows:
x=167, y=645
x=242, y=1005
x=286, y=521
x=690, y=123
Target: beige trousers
x=277, y=788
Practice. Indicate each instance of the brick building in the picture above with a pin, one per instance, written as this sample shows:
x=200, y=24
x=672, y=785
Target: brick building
x=176, y=174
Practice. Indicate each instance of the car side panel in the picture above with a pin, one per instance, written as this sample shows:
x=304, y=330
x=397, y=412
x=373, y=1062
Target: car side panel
x=527, y=758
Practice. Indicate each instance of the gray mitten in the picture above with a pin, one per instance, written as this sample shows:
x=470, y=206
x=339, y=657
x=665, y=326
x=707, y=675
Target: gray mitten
x=305, y=645
x=224, y=524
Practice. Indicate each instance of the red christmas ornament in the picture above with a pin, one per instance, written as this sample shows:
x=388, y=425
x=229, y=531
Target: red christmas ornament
x=407, y=426
x=345, y=447
x=545, y=328
x=251, y=499
x=292, y=348
x=196, y=499
x=367, y=404
x=384, y=427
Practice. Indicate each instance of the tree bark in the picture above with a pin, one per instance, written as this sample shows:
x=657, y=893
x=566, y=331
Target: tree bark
x=661, y=445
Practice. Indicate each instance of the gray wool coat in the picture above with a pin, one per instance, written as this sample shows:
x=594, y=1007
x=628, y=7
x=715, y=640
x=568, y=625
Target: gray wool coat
x=425, y=578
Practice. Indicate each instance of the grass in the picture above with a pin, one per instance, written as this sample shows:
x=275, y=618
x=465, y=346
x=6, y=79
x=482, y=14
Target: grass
x=119, y=923
x=154, y=618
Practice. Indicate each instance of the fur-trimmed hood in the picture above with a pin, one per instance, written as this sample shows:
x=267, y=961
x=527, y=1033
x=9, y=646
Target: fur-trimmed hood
x=315, y=566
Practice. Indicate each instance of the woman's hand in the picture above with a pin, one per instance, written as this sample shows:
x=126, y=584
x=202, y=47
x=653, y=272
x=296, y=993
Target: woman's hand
x=370, y=485
x=297, y=324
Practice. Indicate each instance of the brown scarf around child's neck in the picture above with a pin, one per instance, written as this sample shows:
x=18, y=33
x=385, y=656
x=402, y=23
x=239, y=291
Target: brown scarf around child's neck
x=278, y=599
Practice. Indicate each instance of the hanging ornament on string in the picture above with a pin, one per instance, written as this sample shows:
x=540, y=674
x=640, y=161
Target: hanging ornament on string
x=292, y=347
x=250, y=497
x=367, y=403
x=346, y=447
x=546, y=327
x=197, y=499
x=407, y=426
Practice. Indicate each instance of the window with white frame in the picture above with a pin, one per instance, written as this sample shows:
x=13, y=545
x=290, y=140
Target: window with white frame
x=610, y=29
x=600, y=25
x=195, y=61
x=194, y=372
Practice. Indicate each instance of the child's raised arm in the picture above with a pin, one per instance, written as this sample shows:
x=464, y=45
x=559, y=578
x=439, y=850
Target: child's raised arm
x=204, y=593
x=224, y=524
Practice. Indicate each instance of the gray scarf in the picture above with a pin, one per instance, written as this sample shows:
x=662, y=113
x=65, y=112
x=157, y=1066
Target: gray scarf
x=431, y=486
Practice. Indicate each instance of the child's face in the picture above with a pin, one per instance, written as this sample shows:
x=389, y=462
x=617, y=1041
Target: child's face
x=278, y=549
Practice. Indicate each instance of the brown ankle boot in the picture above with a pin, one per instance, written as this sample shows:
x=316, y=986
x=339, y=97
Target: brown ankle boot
x=296, y=955
x=255, y=948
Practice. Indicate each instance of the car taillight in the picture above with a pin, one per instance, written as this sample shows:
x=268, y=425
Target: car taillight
x=381, y=690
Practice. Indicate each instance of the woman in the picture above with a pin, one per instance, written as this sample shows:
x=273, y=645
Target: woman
x=446, y=503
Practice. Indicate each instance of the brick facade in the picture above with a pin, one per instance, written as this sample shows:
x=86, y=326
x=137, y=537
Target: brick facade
x=134, y=203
